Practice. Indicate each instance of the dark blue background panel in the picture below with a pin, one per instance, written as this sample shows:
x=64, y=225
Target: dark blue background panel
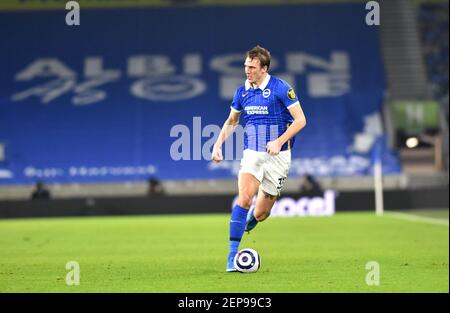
x=97, y=102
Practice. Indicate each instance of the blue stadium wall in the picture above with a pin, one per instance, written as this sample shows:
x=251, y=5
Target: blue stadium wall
x=99, y=102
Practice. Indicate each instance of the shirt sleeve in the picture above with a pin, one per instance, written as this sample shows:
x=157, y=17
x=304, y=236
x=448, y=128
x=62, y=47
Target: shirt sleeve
x=236, y=105
x=287, y=95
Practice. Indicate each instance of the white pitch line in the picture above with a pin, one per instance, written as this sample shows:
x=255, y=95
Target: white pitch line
x=416, y=218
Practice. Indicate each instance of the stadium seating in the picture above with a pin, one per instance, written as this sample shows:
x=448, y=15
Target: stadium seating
x=433, y=21
x=111, y=109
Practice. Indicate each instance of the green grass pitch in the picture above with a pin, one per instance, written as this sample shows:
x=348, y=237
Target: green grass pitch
x=187, y=253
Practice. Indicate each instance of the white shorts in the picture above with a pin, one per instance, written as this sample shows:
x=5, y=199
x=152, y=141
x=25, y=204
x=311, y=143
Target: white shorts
x=270, y=170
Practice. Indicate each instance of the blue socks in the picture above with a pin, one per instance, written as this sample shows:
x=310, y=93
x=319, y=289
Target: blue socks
x=237, y=226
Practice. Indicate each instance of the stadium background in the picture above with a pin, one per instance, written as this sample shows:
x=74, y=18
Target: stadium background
x=95, y=111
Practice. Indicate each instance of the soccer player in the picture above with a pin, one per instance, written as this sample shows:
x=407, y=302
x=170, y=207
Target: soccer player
x=273, y=117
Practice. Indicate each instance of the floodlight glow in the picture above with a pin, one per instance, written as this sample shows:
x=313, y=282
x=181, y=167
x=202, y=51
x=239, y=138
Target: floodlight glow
x=412, y=142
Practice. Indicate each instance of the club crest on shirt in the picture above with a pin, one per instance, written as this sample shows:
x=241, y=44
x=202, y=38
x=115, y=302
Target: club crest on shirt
x=266, y=93
x=291, y=94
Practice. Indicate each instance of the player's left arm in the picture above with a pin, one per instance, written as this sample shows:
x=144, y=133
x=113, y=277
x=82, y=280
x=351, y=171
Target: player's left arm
x=274, y=147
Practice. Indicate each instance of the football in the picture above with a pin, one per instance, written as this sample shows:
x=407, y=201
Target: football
x=247, y=261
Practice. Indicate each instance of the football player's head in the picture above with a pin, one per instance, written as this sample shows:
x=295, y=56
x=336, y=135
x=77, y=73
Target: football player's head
x=257, y=64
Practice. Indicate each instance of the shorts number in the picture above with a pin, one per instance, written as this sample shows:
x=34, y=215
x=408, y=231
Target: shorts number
x=281, y=183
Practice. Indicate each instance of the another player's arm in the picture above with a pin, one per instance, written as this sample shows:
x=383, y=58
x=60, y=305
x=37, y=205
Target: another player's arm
x=299, y=123
x=228, y=128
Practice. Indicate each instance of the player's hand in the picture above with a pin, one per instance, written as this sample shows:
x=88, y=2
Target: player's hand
x=217, y=156
x=273, y=147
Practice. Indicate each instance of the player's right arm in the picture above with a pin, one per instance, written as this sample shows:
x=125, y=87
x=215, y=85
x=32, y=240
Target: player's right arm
x=227, y=129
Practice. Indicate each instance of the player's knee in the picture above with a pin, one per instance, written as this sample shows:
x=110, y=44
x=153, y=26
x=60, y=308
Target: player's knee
x=245, y=201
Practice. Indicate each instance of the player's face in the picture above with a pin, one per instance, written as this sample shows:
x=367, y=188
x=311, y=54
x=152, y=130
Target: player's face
x=254, y=71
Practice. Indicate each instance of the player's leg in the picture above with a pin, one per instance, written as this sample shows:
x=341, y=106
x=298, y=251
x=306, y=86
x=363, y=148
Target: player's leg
x=275, y=169
x=264, y=203
x=249, y=179
x=248, y=186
